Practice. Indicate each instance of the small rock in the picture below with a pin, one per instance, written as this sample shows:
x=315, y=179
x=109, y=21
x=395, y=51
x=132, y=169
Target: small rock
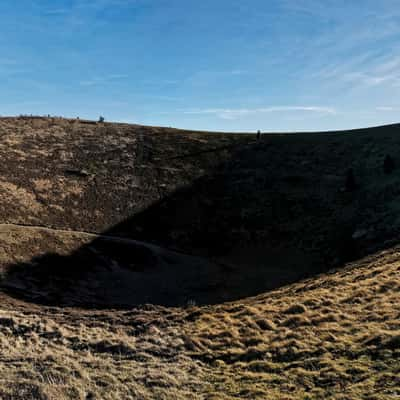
x=77, y=172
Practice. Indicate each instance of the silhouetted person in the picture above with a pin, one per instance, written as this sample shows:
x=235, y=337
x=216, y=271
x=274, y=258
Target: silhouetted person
x=388, y=165
x=350, y=181
x=258, y=135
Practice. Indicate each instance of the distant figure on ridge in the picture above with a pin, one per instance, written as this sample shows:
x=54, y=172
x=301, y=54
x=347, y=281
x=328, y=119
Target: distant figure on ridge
x=388, y=165
x=350, y=181
x=258, y=135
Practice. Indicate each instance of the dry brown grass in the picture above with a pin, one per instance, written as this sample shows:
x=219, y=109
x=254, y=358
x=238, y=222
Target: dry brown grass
x=336, y=336
x=333, y=337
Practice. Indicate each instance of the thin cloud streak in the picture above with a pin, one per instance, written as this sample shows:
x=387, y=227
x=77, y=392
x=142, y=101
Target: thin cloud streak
x=241, y=112
x=103, y=80
x=387, y=108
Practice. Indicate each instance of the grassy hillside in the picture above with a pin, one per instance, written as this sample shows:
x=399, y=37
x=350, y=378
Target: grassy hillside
x=144, y=262
x=336, y=336
x=259, y=213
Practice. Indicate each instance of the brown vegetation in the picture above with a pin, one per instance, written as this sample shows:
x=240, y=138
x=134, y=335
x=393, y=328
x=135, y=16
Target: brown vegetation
x=336, y=336
x=279, y=282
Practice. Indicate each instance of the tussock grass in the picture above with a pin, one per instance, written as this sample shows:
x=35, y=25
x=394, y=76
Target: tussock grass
x=326, y=337
x=335, y=336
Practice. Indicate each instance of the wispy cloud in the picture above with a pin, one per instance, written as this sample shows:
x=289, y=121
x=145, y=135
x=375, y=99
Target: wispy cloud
x=387, y=108
x=83, y=12
x=359, y=73
x=57, y=12
x=227, y=113
x=356, y=46
x=381, y=71
x=95, y=81
x=92, y=5
x=238, y=72
x=371, y=78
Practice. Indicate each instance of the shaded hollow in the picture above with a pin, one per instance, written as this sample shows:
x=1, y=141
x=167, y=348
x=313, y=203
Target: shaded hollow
x=221, y=219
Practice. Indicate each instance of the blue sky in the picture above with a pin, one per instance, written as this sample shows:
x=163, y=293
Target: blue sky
x=234, y=65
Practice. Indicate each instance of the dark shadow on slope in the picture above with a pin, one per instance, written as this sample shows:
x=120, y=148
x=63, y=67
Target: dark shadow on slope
x=249, y=227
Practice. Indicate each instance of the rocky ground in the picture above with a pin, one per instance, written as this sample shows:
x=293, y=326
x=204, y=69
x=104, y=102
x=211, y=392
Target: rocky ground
x=143, y=262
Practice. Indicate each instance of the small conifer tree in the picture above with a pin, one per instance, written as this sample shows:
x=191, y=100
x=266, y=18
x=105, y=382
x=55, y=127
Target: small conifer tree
x=350, y=180
x=388, y=165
